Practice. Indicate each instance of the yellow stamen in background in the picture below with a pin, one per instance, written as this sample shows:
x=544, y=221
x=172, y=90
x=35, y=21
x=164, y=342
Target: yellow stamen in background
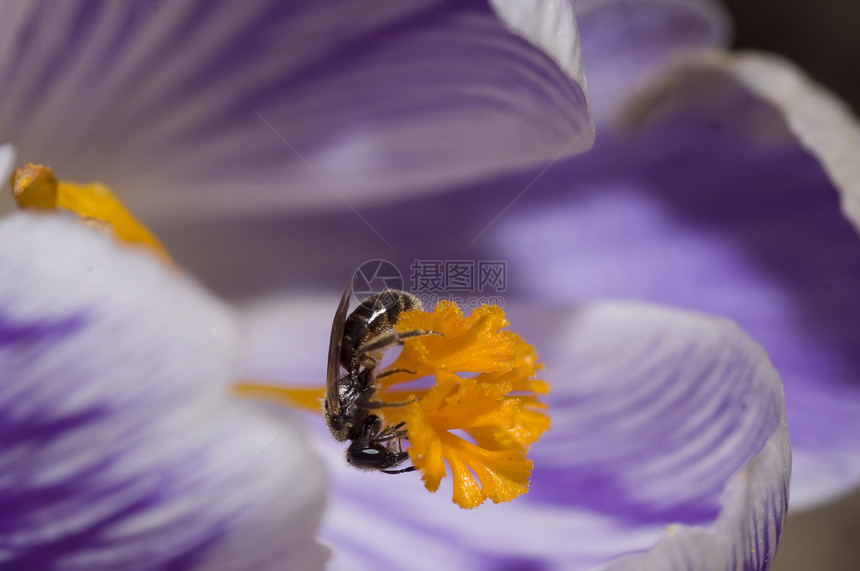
x=296, y=397
x=484, y=389
x=36, y=187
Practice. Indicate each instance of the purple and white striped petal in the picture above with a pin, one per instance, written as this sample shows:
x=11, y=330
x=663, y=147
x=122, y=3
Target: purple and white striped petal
x=668, y=450
x=672, y=418
x=626, y=40
x=121, y=446
x=716, y=205
x=196, y=107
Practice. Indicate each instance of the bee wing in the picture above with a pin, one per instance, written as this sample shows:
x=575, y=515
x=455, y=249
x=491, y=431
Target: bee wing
x=333, y=370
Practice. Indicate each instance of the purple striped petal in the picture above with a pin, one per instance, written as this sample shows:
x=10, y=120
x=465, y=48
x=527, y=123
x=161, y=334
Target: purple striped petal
x=120, y=445
x=190, y=107
x=626, y=40
x=668, y=449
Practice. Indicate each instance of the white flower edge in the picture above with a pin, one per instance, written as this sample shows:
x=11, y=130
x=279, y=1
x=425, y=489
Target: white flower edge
x=7, y=164
x=551, y=26
x=121, y=427
x=823, y=124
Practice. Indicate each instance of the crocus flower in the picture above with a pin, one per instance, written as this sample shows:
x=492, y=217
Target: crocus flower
x=669, y=446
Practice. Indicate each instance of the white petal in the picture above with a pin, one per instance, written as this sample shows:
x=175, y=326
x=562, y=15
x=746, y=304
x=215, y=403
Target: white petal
x=549, y=25
x=121, y=444
x=7, y=163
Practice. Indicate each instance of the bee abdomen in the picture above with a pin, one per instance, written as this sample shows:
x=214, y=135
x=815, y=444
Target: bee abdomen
x=375, y=315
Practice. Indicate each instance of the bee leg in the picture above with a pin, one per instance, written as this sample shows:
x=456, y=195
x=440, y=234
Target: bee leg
x=401, y=471
x=376, y=434
x=393, y=371
x=398, y=426
x=372, y=427
x=385, y=340
x=391, y=433
x=415, y=333
x=395, y=433
x=366, y=400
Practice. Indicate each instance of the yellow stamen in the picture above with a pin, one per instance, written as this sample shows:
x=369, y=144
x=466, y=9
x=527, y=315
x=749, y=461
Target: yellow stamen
x=297, y=397
x=497, y=407
x=475, y=343
x=36, y=187
x=502, y=471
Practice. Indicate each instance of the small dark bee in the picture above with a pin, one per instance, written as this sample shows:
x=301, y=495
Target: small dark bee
x=355, y=342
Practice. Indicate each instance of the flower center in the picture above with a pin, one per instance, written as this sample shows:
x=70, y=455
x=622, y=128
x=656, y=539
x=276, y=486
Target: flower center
x=479, y=417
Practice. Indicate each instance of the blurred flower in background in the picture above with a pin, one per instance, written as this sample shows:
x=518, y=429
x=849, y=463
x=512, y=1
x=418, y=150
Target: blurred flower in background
x=121, y=445
x=276, y=146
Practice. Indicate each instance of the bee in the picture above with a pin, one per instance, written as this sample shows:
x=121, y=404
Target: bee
x=356, y=341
